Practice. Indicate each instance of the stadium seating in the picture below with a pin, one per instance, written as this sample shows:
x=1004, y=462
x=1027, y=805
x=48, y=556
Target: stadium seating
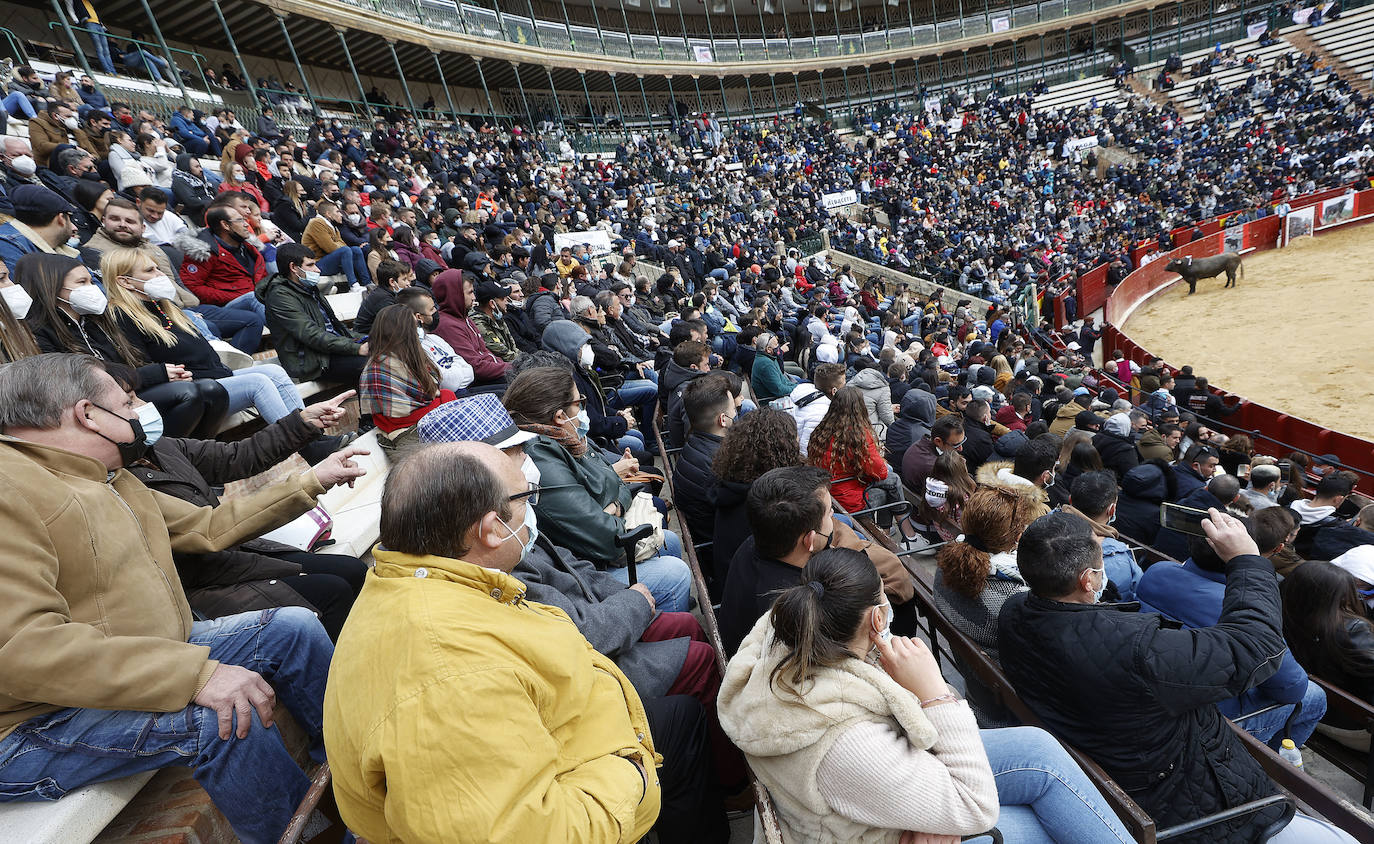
x=1349, y=39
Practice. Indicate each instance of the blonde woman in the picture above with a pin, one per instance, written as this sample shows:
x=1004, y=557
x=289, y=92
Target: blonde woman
x=142, y=306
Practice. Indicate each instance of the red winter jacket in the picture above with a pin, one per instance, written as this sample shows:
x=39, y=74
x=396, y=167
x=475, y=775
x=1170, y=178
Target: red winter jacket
x=212, y=272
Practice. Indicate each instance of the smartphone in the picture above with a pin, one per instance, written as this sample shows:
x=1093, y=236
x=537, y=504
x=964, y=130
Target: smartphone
x=1285, y=470
x=1182, y=519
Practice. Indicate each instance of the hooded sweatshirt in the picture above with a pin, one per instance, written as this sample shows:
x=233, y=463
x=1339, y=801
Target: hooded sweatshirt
x=567, y=338
x=833, y=759
x=457, y=329
x=877, y=399
x=911, y=425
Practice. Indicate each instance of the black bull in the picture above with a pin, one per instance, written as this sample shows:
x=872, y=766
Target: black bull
x=1193, y=269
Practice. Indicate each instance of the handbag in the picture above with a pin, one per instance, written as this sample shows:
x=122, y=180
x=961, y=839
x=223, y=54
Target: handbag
x=643, y=512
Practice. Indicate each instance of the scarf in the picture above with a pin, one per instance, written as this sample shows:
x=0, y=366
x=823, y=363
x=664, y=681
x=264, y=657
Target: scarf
x=575, y=445
x=1099, y=528
x=184, y=173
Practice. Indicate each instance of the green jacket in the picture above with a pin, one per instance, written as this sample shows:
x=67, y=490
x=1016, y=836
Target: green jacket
x=573, y=495
x=496, y=334
x=300, y=320
x=767, y=381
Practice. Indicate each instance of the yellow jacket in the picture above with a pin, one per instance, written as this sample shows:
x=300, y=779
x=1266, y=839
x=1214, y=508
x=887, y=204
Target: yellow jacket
x=93, y=614
x=457, y=711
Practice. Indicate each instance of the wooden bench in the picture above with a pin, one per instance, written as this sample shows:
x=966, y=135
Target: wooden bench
x=766, y=814
x=1359, y=766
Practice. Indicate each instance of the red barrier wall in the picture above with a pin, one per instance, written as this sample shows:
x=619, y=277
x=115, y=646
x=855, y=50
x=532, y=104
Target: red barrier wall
x=1291, y=432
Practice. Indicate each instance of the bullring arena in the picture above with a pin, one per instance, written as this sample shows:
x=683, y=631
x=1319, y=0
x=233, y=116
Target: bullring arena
x=418, y=418
x=1295, y=333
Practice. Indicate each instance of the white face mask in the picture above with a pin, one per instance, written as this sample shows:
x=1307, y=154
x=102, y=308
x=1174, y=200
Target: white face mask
x=587, y=356
x=18, y=299
x=24, y=165
x=88, y=300
x=886, y=634
x=530, y=470
x=1097, y=596
x=355, y=219
x=159, y=287
x=70, y=123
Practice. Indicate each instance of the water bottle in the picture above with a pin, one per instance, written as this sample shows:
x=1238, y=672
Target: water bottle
x=1290, y=753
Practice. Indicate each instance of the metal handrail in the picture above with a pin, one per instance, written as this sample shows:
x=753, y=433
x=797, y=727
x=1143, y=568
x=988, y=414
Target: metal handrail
x=727, y=50
x=156, y=48
x=1253, y=433
x=15, y=44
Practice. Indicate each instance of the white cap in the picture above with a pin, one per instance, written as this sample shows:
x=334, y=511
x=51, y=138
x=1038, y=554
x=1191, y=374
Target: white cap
x=1359, y=561
x=673, y=243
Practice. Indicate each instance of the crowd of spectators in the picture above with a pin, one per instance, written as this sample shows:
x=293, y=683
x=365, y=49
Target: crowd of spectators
x=503, y=653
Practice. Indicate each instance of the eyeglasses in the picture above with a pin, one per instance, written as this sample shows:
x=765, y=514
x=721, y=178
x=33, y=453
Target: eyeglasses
x=578, y=400
x=531, y=492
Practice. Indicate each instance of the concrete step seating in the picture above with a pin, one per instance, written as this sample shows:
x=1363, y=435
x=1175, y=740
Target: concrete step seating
x=1078, y=94
x=1350, y=39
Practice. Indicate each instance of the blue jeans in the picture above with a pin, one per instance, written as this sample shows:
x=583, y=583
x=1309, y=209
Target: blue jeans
x=101, y=45
x=265, y=386
x=348, y=260
x=18, y=105
x=641, y=393
x=242, y=327
x=1266, y=725
x=666, y=576
x=1044, y=795
x=253, y=781
x=250, y=302
x=156, y=67
x=201, y=325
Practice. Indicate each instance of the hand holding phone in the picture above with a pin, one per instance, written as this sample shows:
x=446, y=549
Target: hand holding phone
x=1182, y=519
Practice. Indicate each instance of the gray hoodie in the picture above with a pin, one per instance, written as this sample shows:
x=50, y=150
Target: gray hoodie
x=877, y=398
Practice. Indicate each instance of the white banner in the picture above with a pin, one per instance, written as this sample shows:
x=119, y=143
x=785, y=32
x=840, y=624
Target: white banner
x=597, y=241
x=1301, y=15
x=831, y=201
x=933, y=104
x=1070, y=147
x=1255, y=30
x=1299, y=223
x=702, y=52
x=1001, y=24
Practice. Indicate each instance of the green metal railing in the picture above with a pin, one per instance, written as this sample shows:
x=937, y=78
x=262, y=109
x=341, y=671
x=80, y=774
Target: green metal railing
x=466, y=18
x=15, y=46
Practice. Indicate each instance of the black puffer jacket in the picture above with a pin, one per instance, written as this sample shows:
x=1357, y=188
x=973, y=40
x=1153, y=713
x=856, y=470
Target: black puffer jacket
x=694, y=489
x=732, y=523
x=670, y=388
x=1118, y=453
x=246, y=576
x=1143, y=489
x=1139, y=695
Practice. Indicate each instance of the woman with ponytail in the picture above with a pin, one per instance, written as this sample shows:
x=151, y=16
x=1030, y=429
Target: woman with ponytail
x=858, y=738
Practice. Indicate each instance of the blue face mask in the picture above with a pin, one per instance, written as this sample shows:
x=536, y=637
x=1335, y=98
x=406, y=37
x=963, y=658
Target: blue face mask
x=151, y=420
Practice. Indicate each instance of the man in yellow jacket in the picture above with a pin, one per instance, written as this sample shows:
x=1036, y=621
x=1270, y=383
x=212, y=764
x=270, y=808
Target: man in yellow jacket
x=458, y=711
x=104, y=672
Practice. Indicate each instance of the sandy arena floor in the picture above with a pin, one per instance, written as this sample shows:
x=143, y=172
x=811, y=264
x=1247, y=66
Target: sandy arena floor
x=1295, y=334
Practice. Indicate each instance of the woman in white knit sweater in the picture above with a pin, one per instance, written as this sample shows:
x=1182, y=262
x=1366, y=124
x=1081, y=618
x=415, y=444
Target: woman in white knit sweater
x=861, y=748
